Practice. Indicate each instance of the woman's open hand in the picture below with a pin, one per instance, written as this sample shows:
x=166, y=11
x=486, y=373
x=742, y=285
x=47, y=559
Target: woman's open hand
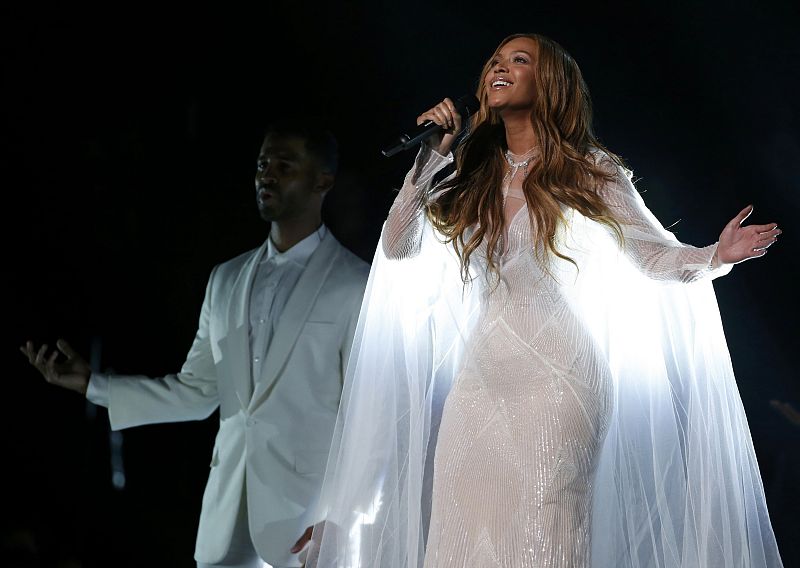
x=738, y=242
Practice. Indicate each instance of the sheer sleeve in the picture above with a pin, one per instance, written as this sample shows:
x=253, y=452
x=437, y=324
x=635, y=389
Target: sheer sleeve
x=656, y=252
x=403, y=231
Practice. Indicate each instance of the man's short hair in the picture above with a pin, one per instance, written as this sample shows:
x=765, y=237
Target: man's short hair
x=320, y=142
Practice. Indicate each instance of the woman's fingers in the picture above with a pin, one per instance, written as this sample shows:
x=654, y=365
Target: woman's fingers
x=443, y=110
x=742, y=215
x=765, y=244
x=454, y=113
x=762, y=228
x=768, y=236
x=444, y=114
x=425, y=117
x=438, y=114
x=763, y=236
x=739, y=242
x=434, y=116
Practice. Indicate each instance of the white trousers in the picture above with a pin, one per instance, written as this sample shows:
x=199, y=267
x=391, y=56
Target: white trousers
x=242, y=553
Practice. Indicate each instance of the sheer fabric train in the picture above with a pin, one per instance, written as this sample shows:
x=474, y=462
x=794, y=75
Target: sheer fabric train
x=673, y=480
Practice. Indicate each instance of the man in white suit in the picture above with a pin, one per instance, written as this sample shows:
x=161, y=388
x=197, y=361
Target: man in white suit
x=275, y=332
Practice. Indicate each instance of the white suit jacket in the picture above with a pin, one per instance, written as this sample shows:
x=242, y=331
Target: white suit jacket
x=273, y=438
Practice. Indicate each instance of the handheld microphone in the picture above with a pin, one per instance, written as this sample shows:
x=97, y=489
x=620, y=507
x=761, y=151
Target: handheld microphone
x=465, y=105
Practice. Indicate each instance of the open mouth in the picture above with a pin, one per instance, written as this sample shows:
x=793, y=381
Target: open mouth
x=500, y=84
x=265, y=196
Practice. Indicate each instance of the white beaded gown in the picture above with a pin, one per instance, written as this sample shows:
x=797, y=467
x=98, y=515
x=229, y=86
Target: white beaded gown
x=527, y=413
x=550, y=418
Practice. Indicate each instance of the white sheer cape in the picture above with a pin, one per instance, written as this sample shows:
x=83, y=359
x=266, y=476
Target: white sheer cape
x=677, y=483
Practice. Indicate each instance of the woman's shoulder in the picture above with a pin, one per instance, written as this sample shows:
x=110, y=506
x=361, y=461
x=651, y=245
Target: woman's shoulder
x=609, y=162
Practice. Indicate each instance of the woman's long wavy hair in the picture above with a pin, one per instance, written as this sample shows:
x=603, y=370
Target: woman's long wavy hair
x=565, y=174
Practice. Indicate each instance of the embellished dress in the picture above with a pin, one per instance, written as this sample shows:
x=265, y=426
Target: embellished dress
x=546, y=415
x=526, y=416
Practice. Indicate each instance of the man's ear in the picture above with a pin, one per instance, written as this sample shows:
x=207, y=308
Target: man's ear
x=325, y=181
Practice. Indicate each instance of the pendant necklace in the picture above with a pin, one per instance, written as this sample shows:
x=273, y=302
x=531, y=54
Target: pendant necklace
x=515, y=165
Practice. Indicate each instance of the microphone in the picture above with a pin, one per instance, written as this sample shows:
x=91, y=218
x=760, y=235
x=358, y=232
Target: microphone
x=465, y=105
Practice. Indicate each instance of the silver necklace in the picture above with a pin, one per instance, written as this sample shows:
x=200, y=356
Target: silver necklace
x=526, y=158
x=515, y=166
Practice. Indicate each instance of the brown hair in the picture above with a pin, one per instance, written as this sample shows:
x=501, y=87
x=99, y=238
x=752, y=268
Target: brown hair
x=565, y=173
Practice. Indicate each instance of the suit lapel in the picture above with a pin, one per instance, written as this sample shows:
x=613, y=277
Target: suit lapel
x=294, y=316
x=239, y=327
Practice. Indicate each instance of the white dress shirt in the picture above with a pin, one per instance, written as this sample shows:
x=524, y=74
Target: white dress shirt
x=275, y=278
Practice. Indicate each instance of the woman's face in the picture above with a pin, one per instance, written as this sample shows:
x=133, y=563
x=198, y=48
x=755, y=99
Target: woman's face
x=510, y=82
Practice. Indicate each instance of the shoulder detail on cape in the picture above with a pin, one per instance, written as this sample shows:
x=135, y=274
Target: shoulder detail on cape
x=602, y=159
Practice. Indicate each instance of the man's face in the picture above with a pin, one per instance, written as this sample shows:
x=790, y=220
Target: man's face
x=289, y=181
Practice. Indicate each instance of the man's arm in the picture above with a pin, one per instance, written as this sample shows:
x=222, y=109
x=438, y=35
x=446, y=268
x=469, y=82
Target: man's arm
x=190, y=394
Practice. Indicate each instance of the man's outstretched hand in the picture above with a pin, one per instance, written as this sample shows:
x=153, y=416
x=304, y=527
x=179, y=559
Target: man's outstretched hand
x=72, y=373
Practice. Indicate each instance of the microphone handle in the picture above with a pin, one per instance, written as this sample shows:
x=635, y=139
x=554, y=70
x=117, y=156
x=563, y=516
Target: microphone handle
x=420, y=133
x=465, y=106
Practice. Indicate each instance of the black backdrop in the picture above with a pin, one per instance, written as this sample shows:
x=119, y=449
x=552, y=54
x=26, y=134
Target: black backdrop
x=129, y=140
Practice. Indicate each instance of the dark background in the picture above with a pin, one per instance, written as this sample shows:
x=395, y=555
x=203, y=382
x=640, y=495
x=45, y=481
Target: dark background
x=129, y=141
